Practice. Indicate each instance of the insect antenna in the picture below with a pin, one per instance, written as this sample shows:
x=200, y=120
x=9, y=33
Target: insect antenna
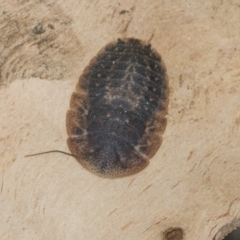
x=53, y=151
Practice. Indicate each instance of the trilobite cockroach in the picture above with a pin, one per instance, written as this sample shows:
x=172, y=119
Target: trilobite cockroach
x=117, y=114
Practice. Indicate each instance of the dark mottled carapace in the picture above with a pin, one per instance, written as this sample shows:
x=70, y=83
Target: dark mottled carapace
x=118, y=111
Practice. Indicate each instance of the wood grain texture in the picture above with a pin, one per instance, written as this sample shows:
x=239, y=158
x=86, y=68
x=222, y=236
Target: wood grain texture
x=192, y=182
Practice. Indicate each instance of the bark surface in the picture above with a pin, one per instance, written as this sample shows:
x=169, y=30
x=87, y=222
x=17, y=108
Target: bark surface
x=191, y=183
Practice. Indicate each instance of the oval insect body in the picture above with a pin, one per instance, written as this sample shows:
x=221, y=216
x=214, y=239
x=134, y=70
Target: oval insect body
x=117, y=114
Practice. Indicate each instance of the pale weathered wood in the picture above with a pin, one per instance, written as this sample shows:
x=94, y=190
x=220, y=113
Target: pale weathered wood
x=191, y=183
